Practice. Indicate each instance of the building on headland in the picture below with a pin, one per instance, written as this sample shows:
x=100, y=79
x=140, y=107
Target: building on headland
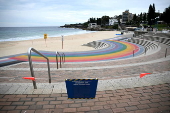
x=126, y=16
x=92, y=25
x=113, y=21
x=78, y=25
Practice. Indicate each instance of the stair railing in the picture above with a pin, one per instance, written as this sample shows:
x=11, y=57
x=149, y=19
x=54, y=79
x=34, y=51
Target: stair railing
x=58, y=54
x=166, y=51
x=62, y=58
x=31, y=66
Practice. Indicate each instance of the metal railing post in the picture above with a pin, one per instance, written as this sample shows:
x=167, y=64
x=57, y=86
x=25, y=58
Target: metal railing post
x=145, y=50
x=134, y=51
x=137, y=49
x=63, y=58
x=60, y=60
x=31, y=67
x=57, y=59
x=166, y=52
x=57, y=53
x=49, y=76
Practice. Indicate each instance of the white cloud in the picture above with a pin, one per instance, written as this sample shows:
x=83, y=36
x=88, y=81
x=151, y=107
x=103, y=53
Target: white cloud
x=59, y=12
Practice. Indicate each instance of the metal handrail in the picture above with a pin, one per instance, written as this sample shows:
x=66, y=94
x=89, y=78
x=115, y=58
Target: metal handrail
x=31, y=66
x=57, y=53
x=166, y=51
x=56, y=59
x=146, y=50
x=62, y=58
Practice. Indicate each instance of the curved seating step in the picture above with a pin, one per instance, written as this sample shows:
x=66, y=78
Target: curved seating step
x=149, y=45
x=163, y=34
x=137, y=59
x=97, y=44
x=158, y=37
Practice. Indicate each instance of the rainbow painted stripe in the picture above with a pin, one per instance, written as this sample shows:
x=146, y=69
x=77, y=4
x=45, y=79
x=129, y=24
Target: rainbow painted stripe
x=116, y=50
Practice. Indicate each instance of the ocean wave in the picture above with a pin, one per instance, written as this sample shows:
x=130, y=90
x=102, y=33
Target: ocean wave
x=71, y=33
x=20, y=38
x=58, y=34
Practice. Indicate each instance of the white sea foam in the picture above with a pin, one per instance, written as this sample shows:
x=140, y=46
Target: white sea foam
x=19, y=34
x=72, y=33
x=20, y=38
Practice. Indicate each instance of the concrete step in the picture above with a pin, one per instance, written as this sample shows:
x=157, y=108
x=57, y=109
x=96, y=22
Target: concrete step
x=111, y=84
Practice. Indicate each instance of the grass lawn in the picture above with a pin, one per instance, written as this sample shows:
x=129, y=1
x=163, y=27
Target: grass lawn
x=161, y=26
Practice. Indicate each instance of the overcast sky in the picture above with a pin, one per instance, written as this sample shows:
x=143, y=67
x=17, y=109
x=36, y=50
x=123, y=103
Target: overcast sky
x=22, y=13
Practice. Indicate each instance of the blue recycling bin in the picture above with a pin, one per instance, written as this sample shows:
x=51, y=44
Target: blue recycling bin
x=81, y=88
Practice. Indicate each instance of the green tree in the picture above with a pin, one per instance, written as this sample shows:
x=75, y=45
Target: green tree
x=140, y=18
x=92, y=20
x=151, y=14
x=118, y=18
x=166, y=15
x=115, y=26
x=144, y=17
x=98, y=21
x=105, y=20
x=154, y=14
x=134, y=18
x=161, y=17
x=85, y=24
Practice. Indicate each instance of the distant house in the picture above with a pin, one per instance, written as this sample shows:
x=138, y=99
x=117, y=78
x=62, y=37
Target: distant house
x=92, y=25
x=113, y=21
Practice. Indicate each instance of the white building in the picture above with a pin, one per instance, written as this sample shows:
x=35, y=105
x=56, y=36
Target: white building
x=92, y=25
x=126, y=16
x=113, y=21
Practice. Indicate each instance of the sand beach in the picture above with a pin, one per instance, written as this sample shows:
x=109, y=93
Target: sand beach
x=71, y=43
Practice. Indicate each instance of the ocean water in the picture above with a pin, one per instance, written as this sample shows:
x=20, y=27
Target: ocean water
x=29, y=33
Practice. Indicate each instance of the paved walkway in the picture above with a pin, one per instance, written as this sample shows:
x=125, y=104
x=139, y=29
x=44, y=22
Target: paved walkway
x=90, y=68
x=15, y=73
x=110, y=84
x=147, y=99
x=150, y=94
x=119, y=90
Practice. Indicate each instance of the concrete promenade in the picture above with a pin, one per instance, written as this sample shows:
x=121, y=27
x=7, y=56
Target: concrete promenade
x=119, y=90
x=110, y=84
x=142, y=98
x=150, y=94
